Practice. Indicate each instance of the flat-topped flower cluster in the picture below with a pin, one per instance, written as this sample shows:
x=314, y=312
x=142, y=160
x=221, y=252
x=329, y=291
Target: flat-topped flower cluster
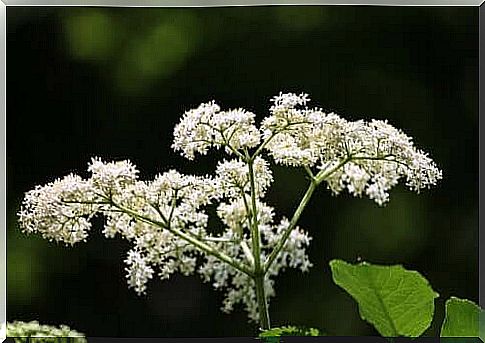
x=364, y=157
x=166, y=218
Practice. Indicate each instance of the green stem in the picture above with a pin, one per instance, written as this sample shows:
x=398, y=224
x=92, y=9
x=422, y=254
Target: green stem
x=309, y=172
x=323, y=174
x=259, y=273
x=255, y=236
x=296, y=216
x=264, y=321
x=263, y=145
x=315, y=181
x=188, y=238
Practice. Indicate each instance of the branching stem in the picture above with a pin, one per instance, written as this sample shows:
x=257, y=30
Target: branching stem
x=259, y=273
x=183, y=235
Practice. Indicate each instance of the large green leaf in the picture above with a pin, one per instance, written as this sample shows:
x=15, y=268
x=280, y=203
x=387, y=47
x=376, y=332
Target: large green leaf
x=462, y=318
x=398, y=302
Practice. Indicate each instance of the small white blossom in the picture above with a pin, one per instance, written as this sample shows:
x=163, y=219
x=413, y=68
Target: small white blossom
x=355, y=178
x=235, y=215
x=119, y=223
x=377, y=190
x=57, y=211
x=113, y=176
x=286, y=101
x=233, y=177
x=194, y=189
x=206, y=127
x=139, y=272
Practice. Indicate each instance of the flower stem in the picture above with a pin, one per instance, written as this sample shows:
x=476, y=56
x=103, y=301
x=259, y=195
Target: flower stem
x=255, y=235
x=264, y=321
x=315, y=181
x=259, y=273
x=296, y=216
x=188, y=238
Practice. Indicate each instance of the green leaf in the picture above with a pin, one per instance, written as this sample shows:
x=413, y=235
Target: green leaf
x=396, y=301
x=290, y=331
x=461, y=319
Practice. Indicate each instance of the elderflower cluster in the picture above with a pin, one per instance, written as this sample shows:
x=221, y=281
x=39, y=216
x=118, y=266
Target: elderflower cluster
x=233, y=177
x=156, y=215
x=362, y=157
x=166, y=219
x=137, y=210
x=57, y=210
x=207, y=126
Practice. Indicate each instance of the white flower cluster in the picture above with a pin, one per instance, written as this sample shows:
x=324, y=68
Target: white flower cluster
x=58, y=210
x=207, y=126
x=136, y=210
x=166, y=218
x=236, y=212
x=239, y=288
x=362, y=157
x=151, y=213
x=233, y=177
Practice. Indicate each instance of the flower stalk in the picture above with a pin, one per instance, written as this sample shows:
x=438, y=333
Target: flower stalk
x=259, y=270
x=293, y=222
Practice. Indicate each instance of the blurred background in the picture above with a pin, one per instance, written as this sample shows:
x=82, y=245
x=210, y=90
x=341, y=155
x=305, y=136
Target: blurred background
x=113, y=82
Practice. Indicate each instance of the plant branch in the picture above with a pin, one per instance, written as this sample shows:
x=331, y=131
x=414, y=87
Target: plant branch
x=255, y=234
x=183, y=235
x=309, y=172
x=259, y=273
x=315, y=181
x=296, y=216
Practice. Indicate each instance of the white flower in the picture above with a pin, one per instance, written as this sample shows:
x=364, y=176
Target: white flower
x=286, y=101
x=206, y=127
x=29, y=331
x=233, y=177
x=112, y=177
x=57, y=211
x=377, y=190
x=235, y=214
x=355, y=178
x=139, y=271
x=173, y=186
x=299, y=136
x=119, y=222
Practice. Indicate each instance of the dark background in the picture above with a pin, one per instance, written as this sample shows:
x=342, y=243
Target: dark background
x=112, y=82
